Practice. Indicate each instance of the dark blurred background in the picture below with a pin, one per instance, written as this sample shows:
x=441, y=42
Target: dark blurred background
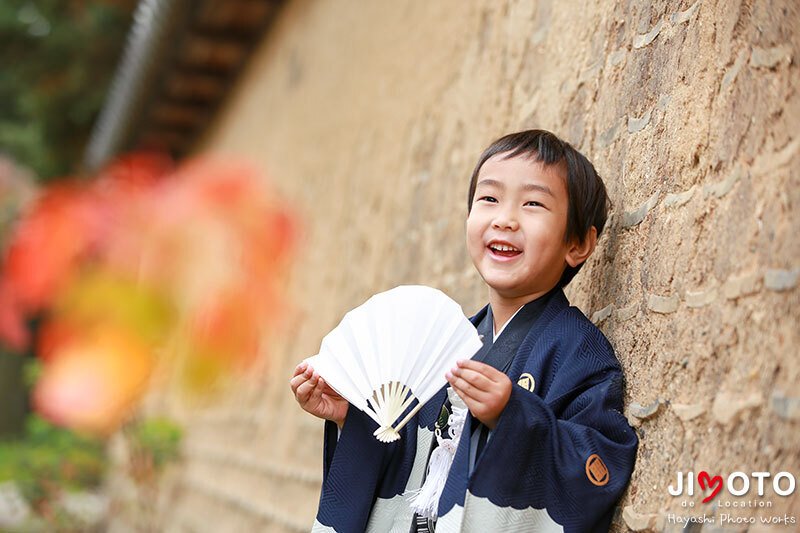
x=58, y=60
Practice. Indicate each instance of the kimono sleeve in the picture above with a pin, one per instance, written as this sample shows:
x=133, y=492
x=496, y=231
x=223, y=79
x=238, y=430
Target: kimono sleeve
x=572, y=452
x=353, y=466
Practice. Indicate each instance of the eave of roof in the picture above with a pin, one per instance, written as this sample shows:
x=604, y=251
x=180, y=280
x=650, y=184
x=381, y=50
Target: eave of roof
x=180, y=61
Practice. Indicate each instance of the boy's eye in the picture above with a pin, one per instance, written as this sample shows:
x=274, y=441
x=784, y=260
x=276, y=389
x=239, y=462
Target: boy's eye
x=487, y=199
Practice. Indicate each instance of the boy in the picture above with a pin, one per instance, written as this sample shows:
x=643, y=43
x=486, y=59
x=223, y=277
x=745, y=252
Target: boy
x=545, y=446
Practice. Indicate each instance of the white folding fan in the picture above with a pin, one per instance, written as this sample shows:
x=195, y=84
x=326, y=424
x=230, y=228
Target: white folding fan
x=394, y=349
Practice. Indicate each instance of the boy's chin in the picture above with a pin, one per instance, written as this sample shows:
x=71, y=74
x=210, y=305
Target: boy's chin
x=506, y=288
x=509, y=289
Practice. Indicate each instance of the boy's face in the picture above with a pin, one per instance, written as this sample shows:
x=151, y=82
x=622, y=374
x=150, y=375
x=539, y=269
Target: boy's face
x=515, y=231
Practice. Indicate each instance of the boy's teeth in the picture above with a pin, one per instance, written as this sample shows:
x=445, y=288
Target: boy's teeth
x=503, y=248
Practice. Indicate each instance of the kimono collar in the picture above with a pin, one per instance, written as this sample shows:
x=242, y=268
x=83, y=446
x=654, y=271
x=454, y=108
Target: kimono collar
x=500, y=353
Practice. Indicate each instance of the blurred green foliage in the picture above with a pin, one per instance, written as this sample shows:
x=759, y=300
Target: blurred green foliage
x=50, y=459
x=58, y=59
x=159, y=439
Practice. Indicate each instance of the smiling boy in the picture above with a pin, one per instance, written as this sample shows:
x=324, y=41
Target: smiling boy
x=544, y=446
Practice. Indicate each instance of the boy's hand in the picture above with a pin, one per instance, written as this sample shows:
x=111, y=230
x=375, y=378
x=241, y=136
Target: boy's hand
x=483, y=388
x=317, y=397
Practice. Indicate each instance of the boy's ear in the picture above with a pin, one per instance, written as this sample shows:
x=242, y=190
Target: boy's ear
x=580, y=252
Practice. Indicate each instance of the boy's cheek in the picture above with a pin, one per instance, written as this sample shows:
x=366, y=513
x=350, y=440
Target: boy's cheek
x=474, y=230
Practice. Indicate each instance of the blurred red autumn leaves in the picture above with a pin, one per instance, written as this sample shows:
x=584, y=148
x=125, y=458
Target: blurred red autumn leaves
x=146, y=264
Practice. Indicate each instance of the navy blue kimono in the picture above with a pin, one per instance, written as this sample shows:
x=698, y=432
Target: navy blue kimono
x=558, y=459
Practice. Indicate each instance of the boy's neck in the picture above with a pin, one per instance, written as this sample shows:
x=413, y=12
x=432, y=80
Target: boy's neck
x=504, y=307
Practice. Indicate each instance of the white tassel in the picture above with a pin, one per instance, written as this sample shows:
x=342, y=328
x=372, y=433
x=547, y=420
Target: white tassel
x=425, y=501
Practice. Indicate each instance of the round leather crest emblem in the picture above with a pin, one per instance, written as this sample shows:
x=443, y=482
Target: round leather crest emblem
x=596, y=470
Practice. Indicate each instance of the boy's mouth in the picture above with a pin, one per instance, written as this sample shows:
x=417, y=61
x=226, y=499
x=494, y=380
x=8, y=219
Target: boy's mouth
x=503, y=249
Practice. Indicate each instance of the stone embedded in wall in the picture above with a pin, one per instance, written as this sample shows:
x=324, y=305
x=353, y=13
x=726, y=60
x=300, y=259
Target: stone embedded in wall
x=626, y=313
x=684, y=16
x=602, y=314
x=723, y=187
x=617, y=58
x=643, y=412
x=662, y=304
x=700, y=298
x=686, y=411
x=608, y=136
x=728, y=405
x=730, y=75
x=638, y=124
x=640, y=41
x=632, y=218
x=741, y=285
x=781, y=280
x=786, y=407
x=769, y=162
x=638, y=521
x=680, y=198
x=590, y=72
x=770, y=57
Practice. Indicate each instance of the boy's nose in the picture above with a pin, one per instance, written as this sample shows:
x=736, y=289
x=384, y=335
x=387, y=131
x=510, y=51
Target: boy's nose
x=505, y=221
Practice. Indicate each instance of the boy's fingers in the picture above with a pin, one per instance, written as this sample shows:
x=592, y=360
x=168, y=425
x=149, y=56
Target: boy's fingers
x=469, y=402
x=482, y=407
x=296, y=381
x=316, y=392
x=475, y=406
x=304, y=391
x=476, y=379
x=299, y=369
x=482, y=368
x=465, y=388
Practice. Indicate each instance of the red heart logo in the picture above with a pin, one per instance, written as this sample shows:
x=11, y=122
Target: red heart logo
x=706, y=482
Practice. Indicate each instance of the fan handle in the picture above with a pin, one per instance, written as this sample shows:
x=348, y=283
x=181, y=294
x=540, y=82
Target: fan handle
x=390, y=434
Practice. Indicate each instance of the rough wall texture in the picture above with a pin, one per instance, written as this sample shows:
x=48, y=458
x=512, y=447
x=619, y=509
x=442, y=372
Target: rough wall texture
x=370, y=115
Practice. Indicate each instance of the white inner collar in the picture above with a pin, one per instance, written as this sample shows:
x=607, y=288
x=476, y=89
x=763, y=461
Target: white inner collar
x=497, y=334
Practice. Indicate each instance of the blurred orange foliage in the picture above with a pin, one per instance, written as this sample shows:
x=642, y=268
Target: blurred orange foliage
x=144, y=259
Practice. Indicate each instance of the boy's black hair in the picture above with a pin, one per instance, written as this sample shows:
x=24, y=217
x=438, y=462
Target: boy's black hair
x=586, y=193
